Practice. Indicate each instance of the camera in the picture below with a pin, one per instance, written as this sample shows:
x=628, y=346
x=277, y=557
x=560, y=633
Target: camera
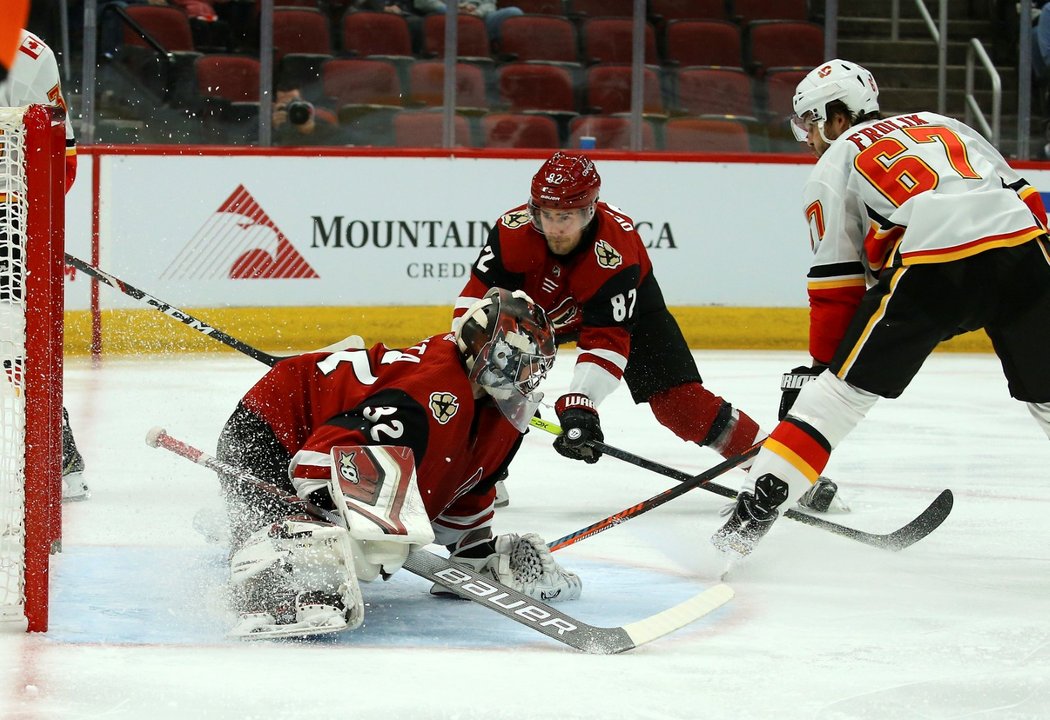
x=299, y=112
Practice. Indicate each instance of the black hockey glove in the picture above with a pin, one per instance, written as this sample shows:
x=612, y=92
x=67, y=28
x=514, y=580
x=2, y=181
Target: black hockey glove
x=579, y=428
x=791, y=383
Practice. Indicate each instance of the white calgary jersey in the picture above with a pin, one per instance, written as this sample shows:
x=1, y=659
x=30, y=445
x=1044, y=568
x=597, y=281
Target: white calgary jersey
x=922, y=185
x=33, y=79
x=910, y=189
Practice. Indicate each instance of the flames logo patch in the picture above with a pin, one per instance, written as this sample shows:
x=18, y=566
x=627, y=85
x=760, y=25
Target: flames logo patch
x=443, y=406
x=608, y=256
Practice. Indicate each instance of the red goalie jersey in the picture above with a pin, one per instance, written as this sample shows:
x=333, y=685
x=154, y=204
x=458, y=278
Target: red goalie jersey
x=418, y=397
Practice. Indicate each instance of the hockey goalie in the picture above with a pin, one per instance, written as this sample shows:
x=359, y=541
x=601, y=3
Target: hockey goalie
x=405, y=447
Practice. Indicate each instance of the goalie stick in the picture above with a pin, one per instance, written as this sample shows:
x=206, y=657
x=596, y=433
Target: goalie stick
x=922, y=525
x=470, y=585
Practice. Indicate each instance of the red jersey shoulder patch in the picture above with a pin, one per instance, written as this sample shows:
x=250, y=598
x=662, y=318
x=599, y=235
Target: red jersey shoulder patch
x=608, y=256
x=31, y=47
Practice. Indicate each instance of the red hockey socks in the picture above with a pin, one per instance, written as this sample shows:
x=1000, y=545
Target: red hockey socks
x=695, y=414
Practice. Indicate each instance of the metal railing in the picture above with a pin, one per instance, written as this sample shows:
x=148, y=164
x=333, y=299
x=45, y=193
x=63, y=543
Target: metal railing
x=973, y=110
x=939, y=33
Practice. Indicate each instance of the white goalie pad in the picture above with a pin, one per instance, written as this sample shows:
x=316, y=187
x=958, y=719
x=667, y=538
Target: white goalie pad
x=375, y=492
x=295, y=578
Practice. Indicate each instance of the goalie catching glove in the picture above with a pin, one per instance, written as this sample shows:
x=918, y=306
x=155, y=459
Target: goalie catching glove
x=579, y=428
x=523, y=562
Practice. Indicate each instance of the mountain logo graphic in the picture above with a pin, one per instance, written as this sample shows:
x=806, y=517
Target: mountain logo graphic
x=240, y=242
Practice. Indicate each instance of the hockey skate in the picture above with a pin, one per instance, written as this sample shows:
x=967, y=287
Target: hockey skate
x=502, y=496
x=822, y=496
x=73, y=485
x=752, y=517
x=296, y=617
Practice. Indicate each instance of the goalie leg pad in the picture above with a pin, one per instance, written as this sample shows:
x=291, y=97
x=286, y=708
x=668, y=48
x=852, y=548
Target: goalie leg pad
x=1041, y=413
x=295, y=578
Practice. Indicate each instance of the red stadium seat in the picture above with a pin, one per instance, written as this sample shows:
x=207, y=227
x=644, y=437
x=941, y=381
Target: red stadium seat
x=527, y=86
x=424, y=128
x=426, y=84
x=746, y=11
x=169, y=26
x=780, y=88
x=712, y=90
x=538, y=37
x=367, y=34
x=609, y=132
x=784, y=43
x=663, y=11
x=300, y=31
x=472, y=39
x=510, y=130
x=361, y=82
x=609, y=40
x=366, y=94
x=302, y=41
x=600, y=8
x=609, y=90
x=537, y=7
x=705, y=135
x=703, y=42
x=230, y=77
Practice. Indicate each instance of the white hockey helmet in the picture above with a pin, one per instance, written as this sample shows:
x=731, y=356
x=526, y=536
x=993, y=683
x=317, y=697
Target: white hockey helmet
x=833, y=80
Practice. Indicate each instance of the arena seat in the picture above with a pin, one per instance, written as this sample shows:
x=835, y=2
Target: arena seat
x=714, y=90
x=703, y=42
x=609, y=39
x=424, y=128
x=518, y=130
x=608, y=90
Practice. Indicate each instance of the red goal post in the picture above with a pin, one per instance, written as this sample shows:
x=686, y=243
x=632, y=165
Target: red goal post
x=32, y=228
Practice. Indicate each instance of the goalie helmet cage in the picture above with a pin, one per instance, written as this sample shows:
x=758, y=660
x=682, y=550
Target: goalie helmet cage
x=32, y=225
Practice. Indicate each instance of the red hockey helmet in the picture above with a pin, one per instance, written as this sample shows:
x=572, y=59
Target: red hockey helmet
x=566, y=181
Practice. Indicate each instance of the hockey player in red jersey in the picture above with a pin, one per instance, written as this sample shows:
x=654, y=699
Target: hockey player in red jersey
x=920, y=231
x=404, y=444
x=583, y=261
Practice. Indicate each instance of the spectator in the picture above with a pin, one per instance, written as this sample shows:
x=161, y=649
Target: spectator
x=299, y=122
x=484, y=9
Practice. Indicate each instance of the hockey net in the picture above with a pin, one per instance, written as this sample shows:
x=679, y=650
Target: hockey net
x=32, y=221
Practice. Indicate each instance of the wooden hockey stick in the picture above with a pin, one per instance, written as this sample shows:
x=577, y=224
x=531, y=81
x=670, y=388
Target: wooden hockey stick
x=482, y=589
x=922, y=525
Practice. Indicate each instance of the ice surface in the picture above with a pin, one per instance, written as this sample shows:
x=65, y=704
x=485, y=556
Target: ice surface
x=954, y=627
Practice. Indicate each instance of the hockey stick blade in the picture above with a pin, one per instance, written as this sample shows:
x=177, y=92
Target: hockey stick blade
x=925, y=523
x=468, y=584
x=555, y=624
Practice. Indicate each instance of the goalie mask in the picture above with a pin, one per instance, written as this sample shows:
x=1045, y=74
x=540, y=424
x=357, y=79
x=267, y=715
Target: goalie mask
x=567, y=184
x=508, y=345
x=834, y=80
